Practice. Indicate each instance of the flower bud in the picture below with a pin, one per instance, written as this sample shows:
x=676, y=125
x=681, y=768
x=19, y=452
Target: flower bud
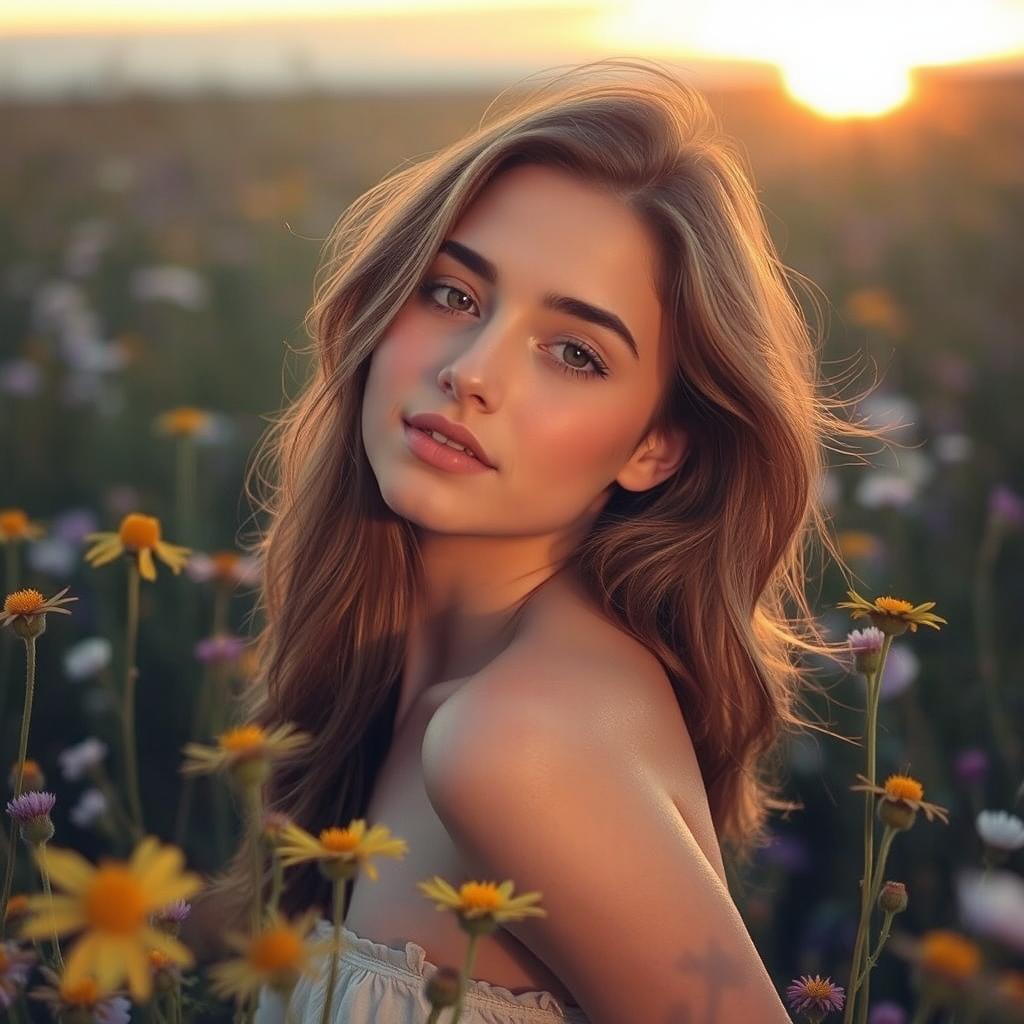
x=28, y=627
x=893, y=898
x=897, y=814
x=250, y=771
x=32, y=779
x=442, y=987
x=338, y=869
x=36, y=831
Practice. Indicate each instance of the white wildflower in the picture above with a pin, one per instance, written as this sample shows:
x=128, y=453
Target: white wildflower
x=87, y=658
x=993, y=905
x=77, y=760
x=91, y=806
x=1000, y=829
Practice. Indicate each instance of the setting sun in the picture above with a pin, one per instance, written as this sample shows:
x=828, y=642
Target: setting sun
x=842, y=60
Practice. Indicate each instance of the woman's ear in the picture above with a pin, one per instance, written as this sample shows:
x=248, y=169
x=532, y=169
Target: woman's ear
x=657, y=457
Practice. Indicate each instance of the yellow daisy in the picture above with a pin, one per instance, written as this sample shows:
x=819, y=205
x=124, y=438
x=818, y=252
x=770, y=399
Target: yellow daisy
x=249, y=746
x=111, y=903
x=26, y=604
x=340, y=851
x=892, y=615
x=948, y=954
x=138, y=535
x=16, y=525
x=73, y=1002
x=901, y=798
x=278, y=955
x=482, y=899
x=26, y=610
x=182, y=421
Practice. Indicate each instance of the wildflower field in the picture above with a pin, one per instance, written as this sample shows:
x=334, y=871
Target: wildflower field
x=158, y=261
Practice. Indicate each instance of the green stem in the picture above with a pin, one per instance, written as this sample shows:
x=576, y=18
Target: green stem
x=277, y=883
x=466, y=974
x=923, y=1011
x=883, y=937
x=221, y=597
x=338, y=906
x=200, y=714
x=874, y=686
x=988, y=665
x=44, y=874
x=128, y=714
x=11, y=574
x=26, y=718
x=106, y=787
x=254, y=795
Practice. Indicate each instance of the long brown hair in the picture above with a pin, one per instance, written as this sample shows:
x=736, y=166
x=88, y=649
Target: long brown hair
x=706, y=569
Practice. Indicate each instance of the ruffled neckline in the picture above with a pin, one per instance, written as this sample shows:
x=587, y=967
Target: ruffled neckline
x=413, y=958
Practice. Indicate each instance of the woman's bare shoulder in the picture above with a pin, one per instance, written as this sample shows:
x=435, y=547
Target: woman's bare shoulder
x=567, y=656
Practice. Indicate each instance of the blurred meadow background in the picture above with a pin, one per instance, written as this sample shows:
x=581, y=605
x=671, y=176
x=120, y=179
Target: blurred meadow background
x=164, y=191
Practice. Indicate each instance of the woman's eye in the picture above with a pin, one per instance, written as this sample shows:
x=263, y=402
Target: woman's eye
x=427, y=290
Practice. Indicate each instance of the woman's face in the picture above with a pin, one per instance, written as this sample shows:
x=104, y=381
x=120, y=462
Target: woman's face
x=557, y=401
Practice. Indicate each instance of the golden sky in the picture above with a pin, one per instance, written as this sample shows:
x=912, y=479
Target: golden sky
x=841, y=57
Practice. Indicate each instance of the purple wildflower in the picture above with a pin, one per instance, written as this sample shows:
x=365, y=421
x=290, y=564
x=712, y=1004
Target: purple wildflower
x=887, y=1013
x=815, y=997
x=15, y=966
x=218, y=648
x=866, y=641
x=1005, y=505
x=786, y=852
x=115, y=1010
x=174, y=913
x=971, y=766
x=30, y=806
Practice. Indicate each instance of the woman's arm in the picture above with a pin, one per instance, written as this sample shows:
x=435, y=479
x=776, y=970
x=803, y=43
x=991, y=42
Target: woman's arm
x=545, y=783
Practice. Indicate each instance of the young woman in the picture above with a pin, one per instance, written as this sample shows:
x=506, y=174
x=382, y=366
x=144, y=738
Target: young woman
x=565, y=657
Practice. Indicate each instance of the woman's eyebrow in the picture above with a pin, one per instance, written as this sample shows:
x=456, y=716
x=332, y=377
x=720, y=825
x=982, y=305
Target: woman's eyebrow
x=484, y=268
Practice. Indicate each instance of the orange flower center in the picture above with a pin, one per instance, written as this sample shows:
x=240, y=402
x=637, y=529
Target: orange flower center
x=83, y=992
x=244, y=738
x=24, y=602
x=115, y=901
x=950, y=954
x=816, y=988
x=17, y=905
x=158, y=959
x=1011, y=986
x=185, y=420
x=275, y=950
x=224, y=564
x=139, y=531
x=13, y=522
x=857, y=543
x=4, y=961
x=903, y=787
x=893, y=605
x=477, y=895
x=339, y=840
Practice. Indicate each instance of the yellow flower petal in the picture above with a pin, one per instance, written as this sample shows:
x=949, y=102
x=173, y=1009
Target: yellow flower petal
x=68, y=869
x=81, y=960
x=146, y=567
x=166, y=864
x=103, y=554
x=46, y=923
x=168, y=944
x=173, y=554
x=136, y=966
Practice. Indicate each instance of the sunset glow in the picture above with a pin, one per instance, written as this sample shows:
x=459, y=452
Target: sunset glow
x=839, y=59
